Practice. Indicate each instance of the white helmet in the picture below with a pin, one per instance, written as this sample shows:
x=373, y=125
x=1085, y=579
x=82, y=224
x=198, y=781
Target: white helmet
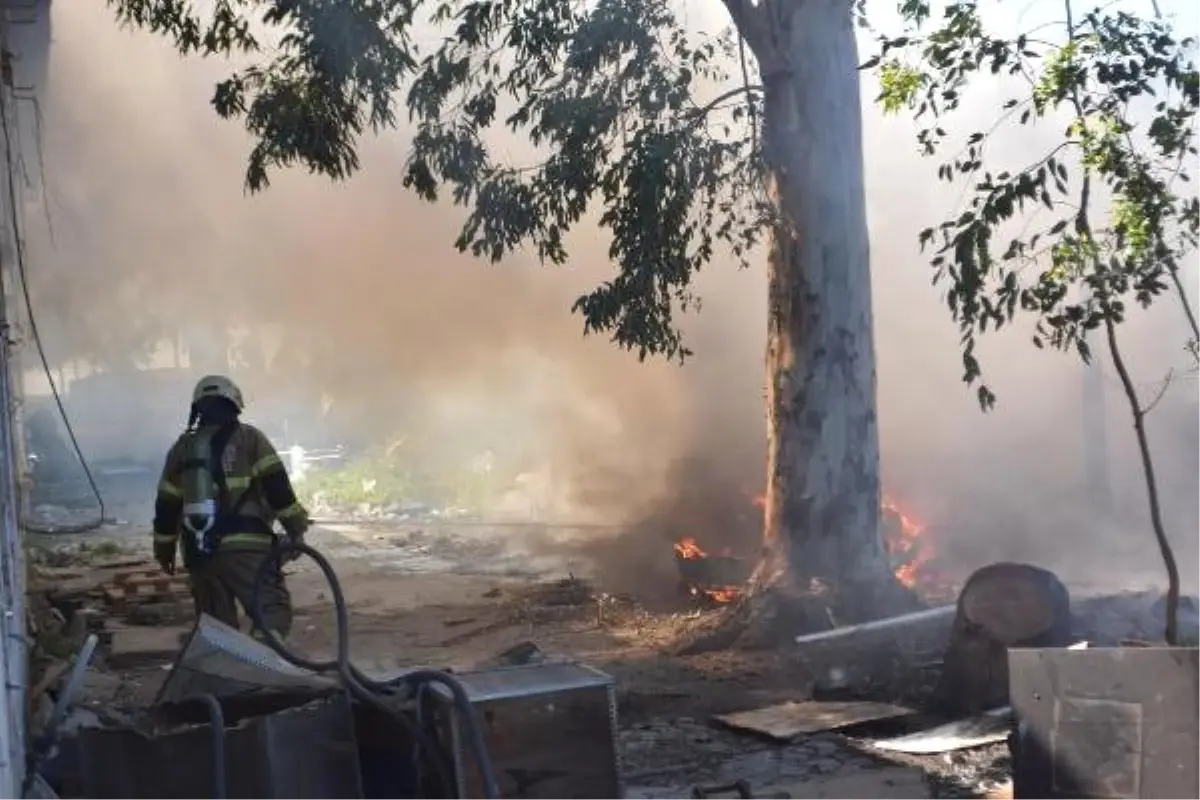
x=219, y=386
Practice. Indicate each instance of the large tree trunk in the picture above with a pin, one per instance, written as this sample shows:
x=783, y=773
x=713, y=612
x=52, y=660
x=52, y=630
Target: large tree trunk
x=823, y=492
x=824, y=562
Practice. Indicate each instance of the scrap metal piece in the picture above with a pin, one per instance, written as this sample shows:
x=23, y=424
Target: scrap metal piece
x=83, y=660
x=222, y=661
x=741, y=787
x=834, y=657
x=785, y=721
x=304, y=749
x=39, y=789
x=550, y=730
x=989, y=727
x=939, y=613
x=1105, y=722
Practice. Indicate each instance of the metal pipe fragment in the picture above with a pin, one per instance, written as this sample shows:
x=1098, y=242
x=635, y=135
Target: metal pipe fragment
x=876, y=625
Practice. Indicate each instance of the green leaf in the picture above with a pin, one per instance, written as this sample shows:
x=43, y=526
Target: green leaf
x=1115, y=68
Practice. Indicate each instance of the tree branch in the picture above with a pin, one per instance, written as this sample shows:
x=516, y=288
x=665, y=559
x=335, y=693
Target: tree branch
x=702, y=111
x=1162, y=390
x=751, y=23
x=749, y=98
x=1183, y=300
x=1083, y=229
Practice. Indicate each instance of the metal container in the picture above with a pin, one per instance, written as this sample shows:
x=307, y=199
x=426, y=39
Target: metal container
x=550, y=730
x=304, y=749
x=1105, y=722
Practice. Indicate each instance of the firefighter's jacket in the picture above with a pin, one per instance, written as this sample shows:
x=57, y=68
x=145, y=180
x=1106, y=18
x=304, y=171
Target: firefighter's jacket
x=257, y=492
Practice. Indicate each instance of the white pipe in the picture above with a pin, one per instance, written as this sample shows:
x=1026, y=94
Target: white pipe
x=876, y=625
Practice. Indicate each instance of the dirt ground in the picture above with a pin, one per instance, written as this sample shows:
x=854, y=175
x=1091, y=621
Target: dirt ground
x=456, y=601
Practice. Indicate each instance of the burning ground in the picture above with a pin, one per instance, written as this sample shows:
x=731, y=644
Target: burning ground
x=719, y=578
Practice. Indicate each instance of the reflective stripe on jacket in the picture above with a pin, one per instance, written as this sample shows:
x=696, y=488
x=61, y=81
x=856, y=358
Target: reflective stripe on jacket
x=257, y=486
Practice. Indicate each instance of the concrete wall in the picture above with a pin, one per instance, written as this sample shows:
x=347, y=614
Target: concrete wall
x=24, y=33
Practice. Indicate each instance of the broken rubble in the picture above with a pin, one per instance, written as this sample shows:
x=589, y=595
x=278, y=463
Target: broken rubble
x=822, y=779
x=890, y=782
x=141, y=646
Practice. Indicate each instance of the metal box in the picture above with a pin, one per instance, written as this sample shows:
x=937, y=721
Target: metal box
x=550, y=730
x=1106, y=722
x=302, y=749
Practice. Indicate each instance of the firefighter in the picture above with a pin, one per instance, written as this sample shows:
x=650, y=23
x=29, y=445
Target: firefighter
x=222, y=488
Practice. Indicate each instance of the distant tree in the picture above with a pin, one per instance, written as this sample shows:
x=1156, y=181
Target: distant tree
x=622, y=108
x=1101, y=218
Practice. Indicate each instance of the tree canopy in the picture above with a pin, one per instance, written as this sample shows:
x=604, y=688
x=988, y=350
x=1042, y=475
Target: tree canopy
x=608, y=93
x=1121, y=91
x=1101, y=217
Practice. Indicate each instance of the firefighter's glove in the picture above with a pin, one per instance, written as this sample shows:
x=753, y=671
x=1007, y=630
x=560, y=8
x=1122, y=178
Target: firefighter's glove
x=291, y=555
x=164, y=554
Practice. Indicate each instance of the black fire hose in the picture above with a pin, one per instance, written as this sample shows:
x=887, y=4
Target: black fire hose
x=216, y=721
x=365, y=689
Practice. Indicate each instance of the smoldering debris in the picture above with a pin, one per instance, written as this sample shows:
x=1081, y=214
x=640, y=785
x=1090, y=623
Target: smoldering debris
x=1110, y=619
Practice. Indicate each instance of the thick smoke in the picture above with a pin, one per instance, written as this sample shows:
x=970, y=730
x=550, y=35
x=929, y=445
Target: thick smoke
x=363, y=301
x=371, y=312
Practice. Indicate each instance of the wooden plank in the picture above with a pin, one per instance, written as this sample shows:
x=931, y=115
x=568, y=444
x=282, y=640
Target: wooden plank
x=124, y=563
x=93, y=581
x=76, y=589
x=115, y=598
x=50, y=677
x=890, y=782
x=58, y=573
x=133, y=575
x=145, y=588
x=157, y=579
x=786, y=721
x=138, y=646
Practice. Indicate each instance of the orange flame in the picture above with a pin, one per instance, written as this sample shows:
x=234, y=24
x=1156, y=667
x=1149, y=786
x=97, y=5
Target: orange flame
x=689, y=549
x=906, y=543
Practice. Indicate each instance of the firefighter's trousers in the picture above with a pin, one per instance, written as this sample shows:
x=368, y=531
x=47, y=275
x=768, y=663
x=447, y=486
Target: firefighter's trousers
x=225, y=581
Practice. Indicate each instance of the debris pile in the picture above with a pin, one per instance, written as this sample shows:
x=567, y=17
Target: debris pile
x=116, y=595
x=569, y=597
